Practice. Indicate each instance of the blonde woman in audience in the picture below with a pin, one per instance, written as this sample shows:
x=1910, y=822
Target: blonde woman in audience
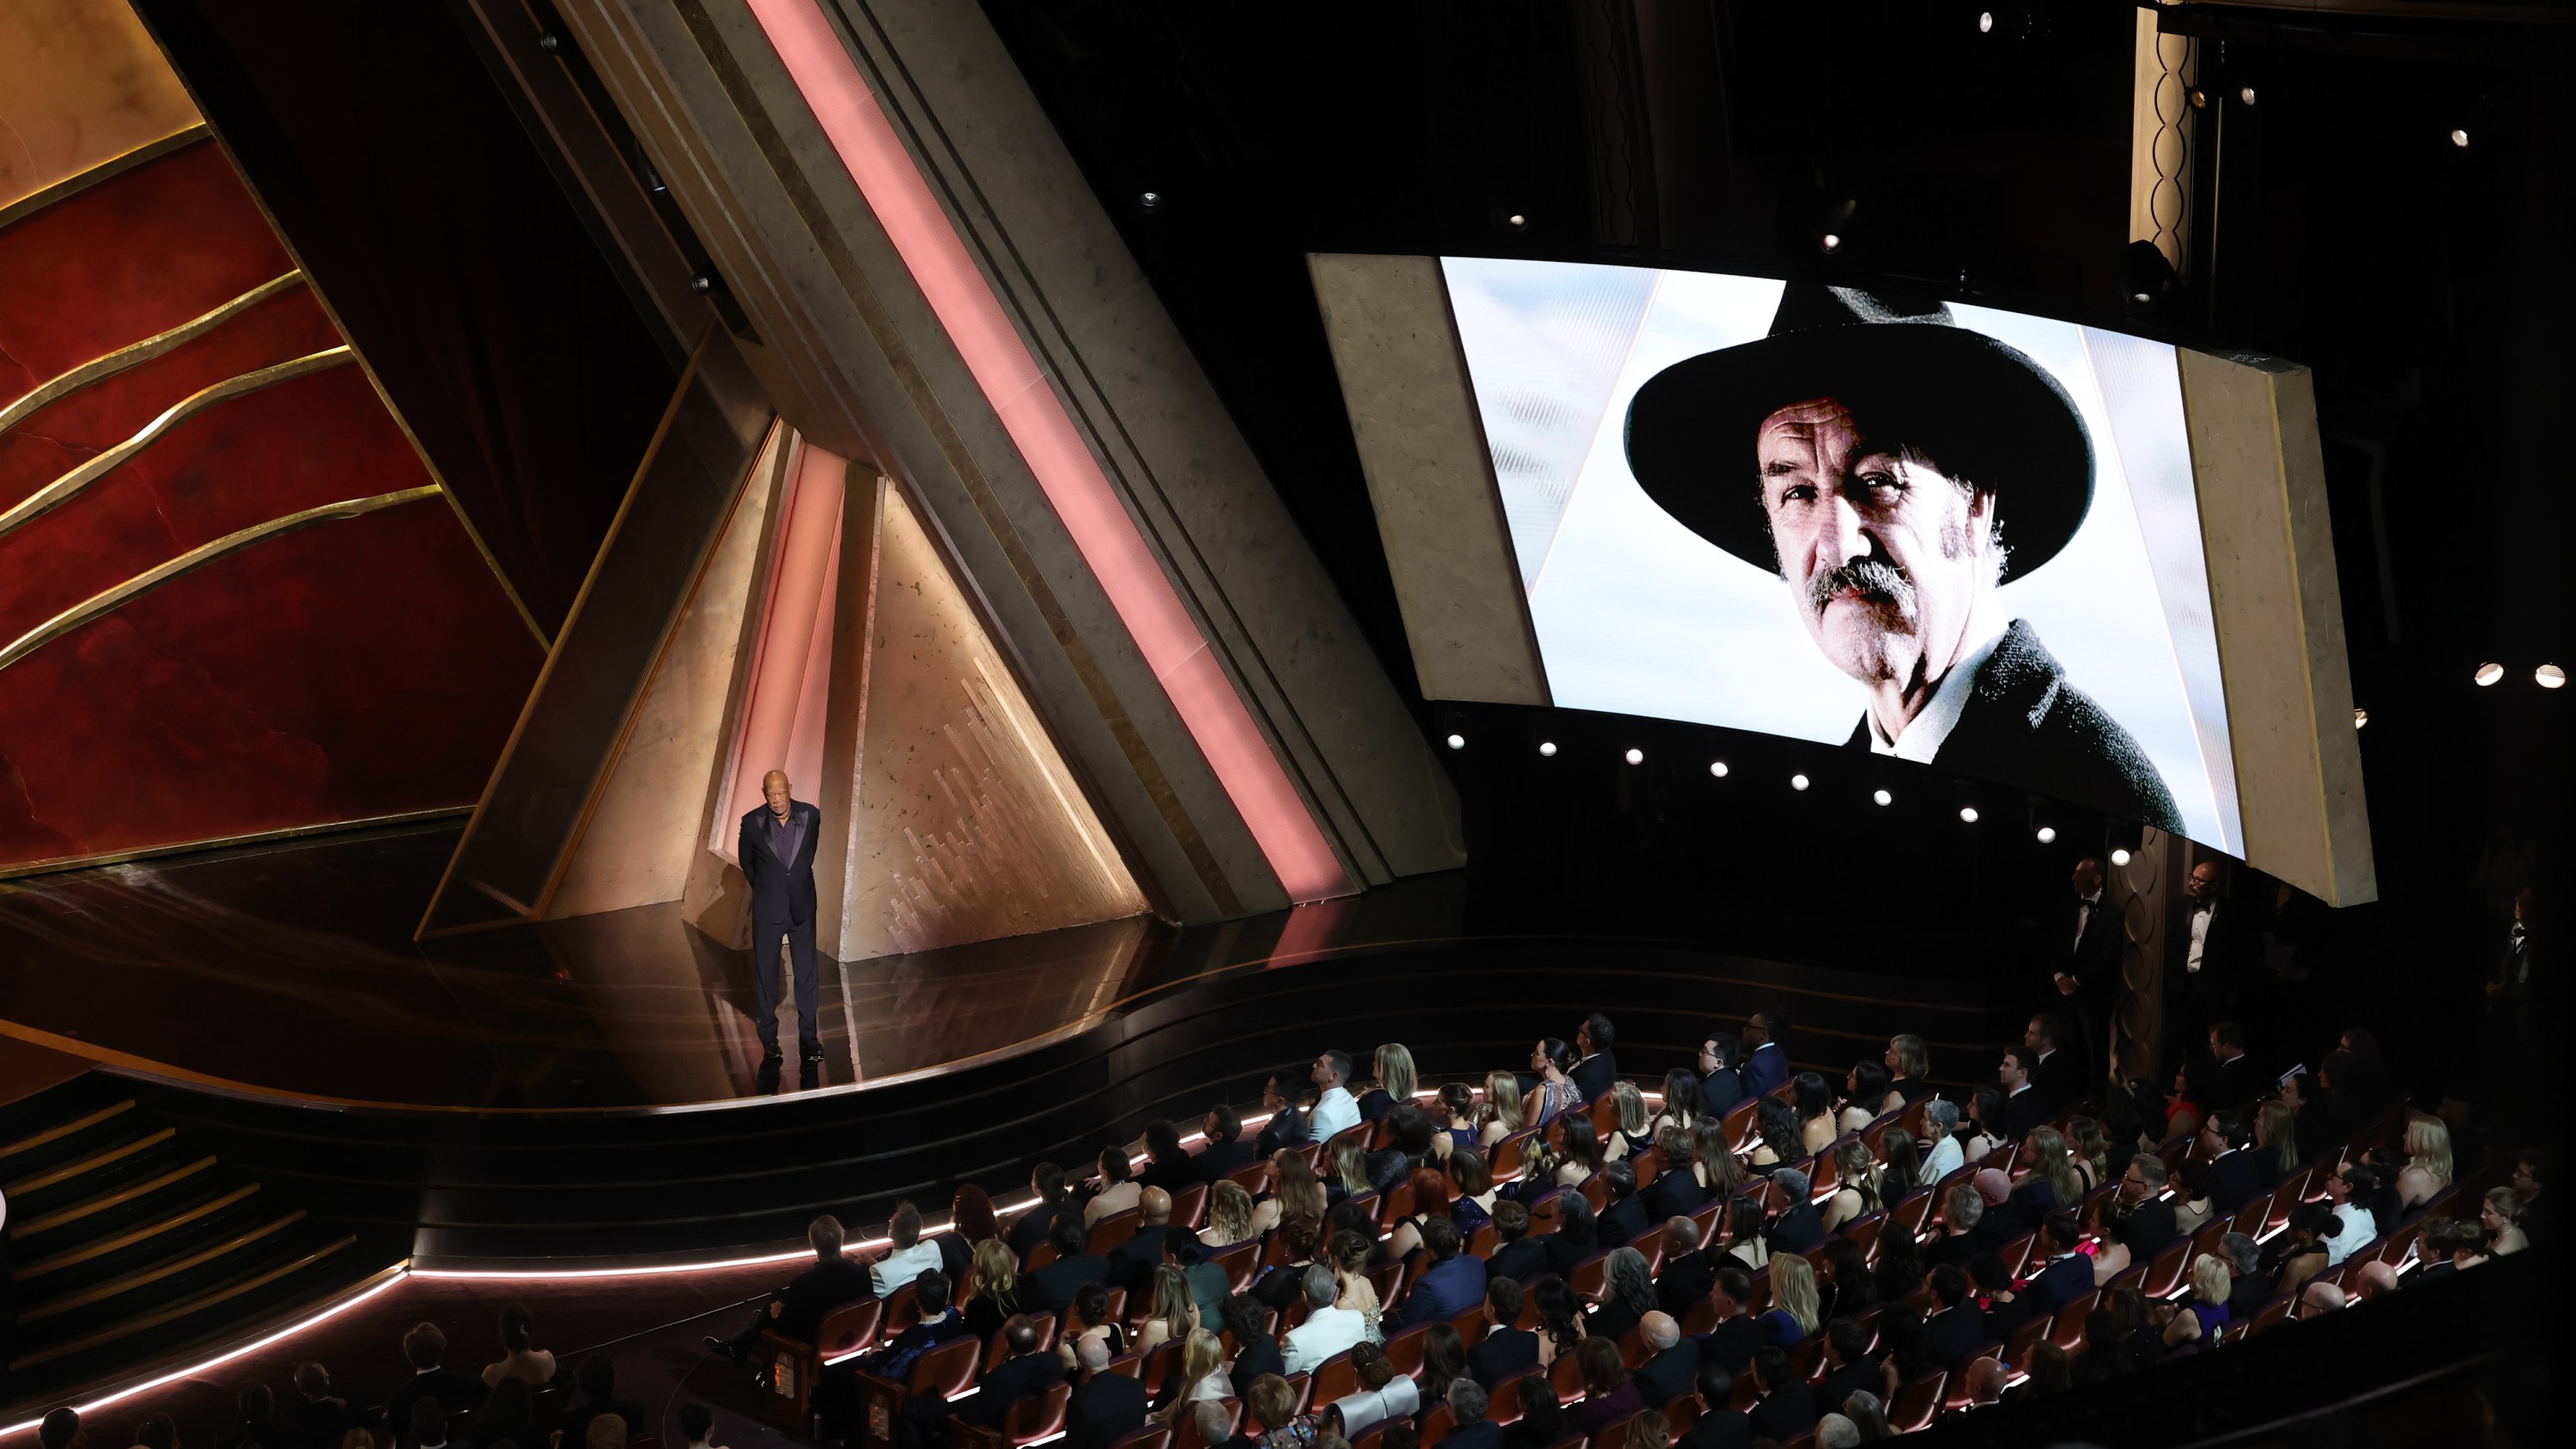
x=1502, y=1108
x=2276, y=1138
x=1793, y=1295
x=1396, y=1083
x=1650, y=1430
x=2501, y=1215
x=1909, y=1065
x=2428, y=1162
x=2206, y=1311
x=993, y=1290
x=1629, y=1138
x=1201, y=1379
x=1350, y=1167
x=1229, y=1216
x=1859, y=1190
x=1174, y=1311
x=2092, y=1152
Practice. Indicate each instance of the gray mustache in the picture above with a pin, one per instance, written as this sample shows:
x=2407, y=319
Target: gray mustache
x=1870, y=578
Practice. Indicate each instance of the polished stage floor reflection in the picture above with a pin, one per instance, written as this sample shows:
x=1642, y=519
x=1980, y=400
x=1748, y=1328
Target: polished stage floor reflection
x=290, y=968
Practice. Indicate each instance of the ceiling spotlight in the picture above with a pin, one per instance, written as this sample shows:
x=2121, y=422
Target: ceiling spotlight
x=2047, y=834
x=1882, y=797
x=1985, y=22
x=1150, y=200
x=2245, y=94
x=1717, y=768
x=2549, y=676
x=1968, y=813
x=1797, y=782
x=1547, y=748
x=2360, y=717
x=2459, y=138
x=2489, y=674
x=1516, y=222
x=1830, y=242
x=2141, y=298
x=2119, y=857
x=1636, y=757
x=1457, y=742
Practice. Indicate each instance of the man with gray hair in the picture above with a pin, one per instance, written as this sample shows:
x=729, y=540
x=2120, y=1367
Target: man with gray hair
x=1327, y=1330
x=776, y=852
x=2251, y=1290
x=1215, y=1423
x=1833, y=1431
x=1799, y=1227
x=1468, y=1403
x=797, y=1310
x=1941, y=1124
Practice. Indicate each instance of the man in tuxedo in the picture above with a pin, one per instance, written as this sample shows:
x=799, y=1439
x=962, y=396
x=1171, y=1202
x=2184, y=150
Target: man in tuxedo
x=1506, y=1348
x=1520, y=1257
x=1799, y=1227
x=1050, y=1289
x=2230, y=1179
x=1956, y=1331
x=1672, y=1363
x=2069, y=1274
x=1853, y=1367
x=2218, y=945
x=2084, y=964
x=1454, y=1283
x=2235, y=1080
x=1029, y=1370
x=1719, y=1425
x=797, y=1310
x=1255, y=1351
x=1720, y=1087
x=2137, y=1223
x=1624, y=1218
x=1766, y=1063
x=1687, y=1273
x=777, y=853
x=1224, y=1153
x=1599, y=1070
x=2057, y=1077
x=1470, y=1429
x=1788, y=1406
x=1132, y=1263
x=1106, y=1407
x=1738, y=1333
x=2024, y=1108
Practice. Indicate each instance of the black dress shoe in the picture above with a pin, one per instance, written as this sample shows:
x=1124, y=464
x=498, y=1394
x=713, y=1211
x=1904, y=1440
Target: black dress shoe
x=814, y=1053
x=770, y=1053
x=724, y=1347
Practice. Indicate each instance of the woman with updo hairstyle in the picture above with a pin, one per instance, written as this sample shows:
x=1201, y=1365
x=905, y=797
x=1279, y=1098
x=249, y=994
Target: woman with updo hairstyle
x=1554, y=1062
x=1560, y=1318
x=1858, y=1189
x=1458, y=1115
x=1866, y=1096
x=1089, y=1317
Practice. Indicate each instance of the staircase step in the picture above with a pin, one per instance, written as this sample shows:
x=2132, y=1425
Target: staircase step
x=204, y=1301
x=167, y=1274
x=26, y=1146
x=144, y=1235
x=69, y=1173
x=111, y=1206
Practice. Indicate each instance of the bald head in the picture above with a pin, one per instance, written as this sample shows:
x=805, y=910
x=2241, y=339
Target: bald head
x=2376, y=1280
x=1154, y=1207
x=1093, y=1350
x=1660, y=1330
x=773, y=788
x=1986, y=1380
x=2321, y=1298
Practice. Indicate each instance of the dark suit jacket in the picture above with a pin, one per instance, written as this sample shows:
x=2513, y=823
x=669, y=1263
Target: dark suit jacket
x=1624, y=1223
x=1675, y=1193
x=1016, y=1379
x=1132, y=1263
x=1669, y=1375
x=2093, y=959
x=2234, y=1083
x=2063, y=1281
x=1839, y=1385
x=315, y=1423
x=1733, y=1342
x=1721, y=1090
x=2233, y=1181
x=1766, y=1066
x=2060, y=1079
x=1785, y=1413
x=1522, y=1261
x=2023, y=1111
x=817, y=1291
x=2024, y=723
x=1253, y=1359
x=1718, y=1428
x=1952, y=1334
x=1106, y=1407
x=2147, y=1231
x=1182, y=1171
x=2228, y=953
x=1030, y=1230
x=452, y=1388
x=1219, y=1158
x=1482, y=1434
x=1449, y=1288
x=782, y=891
x=1686, y=1279
x=1595, y=1075
x=1501, y=1353
x=1051, y=1288
x=1798, y=1229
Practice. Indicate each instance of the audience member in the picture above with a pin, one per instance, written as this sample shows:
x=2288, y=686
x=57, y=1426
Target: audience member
x=1118, y=1189
x=1941, y=1128
x=1088, y=1316
x=425, y=1349
x=1274, y=1408
x=519, y=1360
x=2315, y=1299
x=597, y=1376
x=698, y=1426
x=1327, y=1330
x=1502, y=1109
x=1799, y=1227
x=1229, y=1216
x=1049, y=1289
x=2136, y=1223
x=1850, y=1366
x=426, y=1427
x=1859, y=1189
x=1865, y=1096
x=2055, y=1076
x=1104, y=1407
x=2251, y=1289
x=1964, y=1233
x=1596, y=1068
x=970, y=1226
x=1986, y=1379
x=1849, y=1290
x=1609, y=1392
x=1026, y=1370
x=1506, y=1348
x=508, y=1416
x=1132, y=1263
x=1336, y=1111
x=1450, y=1284
x=2024, y=1107
x=1168, y=1165
x=1201, y=1376
x=2005, y=1307
x=1518, y=1255
x=1171, y=1309
x=1047, y=1182
x=1721, y=1086
x=1687, y=1272
x=1255, y=1351
x=2428, y=1162
x=1624, y=1216
x=1766, y=1059
x=1795, y=1313
x=1394, y=1087
x=2501, y=1214
x=1627, y=1295
x=2068, y=1274
x=1469, y=1428
x=2205, y=1313
x=2233, y=1078
x=318, y=1417
x=1788, y=1407
x=1383, y=1394
x=1719, y=1425
x=1955, y=1331
x=1223, y=1150
x=1542, y=1421
x=61, y=1429
x=1812, y=1102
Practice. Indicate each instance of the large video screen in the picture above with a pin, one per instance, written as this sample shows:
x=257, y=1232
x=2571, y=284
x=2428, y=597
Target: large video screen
x=1957, y=535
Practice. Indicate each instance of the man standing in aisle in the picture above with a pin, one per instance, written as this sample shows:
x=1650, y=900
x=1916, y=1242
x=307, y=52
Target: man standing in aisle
x=777, y=854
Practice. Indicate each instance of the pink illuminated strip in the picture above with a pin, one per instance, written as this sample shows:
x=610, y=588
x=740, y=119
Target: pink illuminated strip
x=1054, y=450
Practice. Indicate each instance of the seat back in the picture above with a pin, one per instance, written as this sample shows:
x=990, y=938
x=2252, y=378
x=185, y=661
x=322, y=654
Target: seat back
x=1189, y=1207
x=1807, y=1359
x=1038, y=1416
x=1113, y=1230
x=1240, y=1263
x=2068, y=1331
x=1918, y=1403
x=1587, y=1276
x=1632, y=1347
x=1186, y=1434
x=1567, y=1375
x=1437, y=1424
x=849, y=1328
x=900, y=1312
x=1404, y=1349
x=1503, y=1406
x=1335, y=1378
x=1160, y=1362
x=2250, y=1218
x=1680, y=1414
x=1864, y=1234
x=1485, y=1240
x=1253, y=1179
x=1957, y=1395
x=1508, y=1154
x=1471, y=1325
x=947, y=1369
x=2016, y=1254
x=1614, y=1435
x=1394, y=1204
x=1701, y=1319
x=1039, y=1257
x=2017, y=1348
x=1358, y=1132
x=1649, y=1165
x=1152, y=1436
x=1387, y=1279
x=1652, y=1243
x=1739, y=1121
x=2165, y=1273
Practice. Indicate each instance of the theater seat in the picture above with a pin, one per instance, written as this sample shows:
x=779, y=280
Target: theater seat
x=1039, y=1416
x=1437, y=1423
x=1240, y=1263
x=1152, y=1436
x=1189, y=1207
x=1113, y=1230
x=1614, y=1435
x=1504, y=1405
x=1404, y=1349
x=1918, y=1403
x=1186, y=1435
x=794, y=1365
x=1471, y=1326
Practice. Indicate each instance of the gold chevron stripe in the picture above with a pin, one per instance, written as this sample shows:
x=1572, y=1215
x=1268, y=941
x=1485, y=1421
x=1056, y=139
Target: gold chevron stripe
x=134, y=353
x=35, y=505
x=197, y=558
x=107, y=170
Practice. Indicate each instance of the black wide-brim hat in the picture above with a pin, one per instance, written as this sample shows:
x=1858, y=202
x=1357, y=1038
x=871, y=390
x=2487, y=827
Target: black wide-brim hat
x=1979, y=408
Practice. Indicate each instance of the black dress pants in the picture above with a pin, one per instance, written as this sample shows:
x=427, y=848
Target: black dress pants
x=765, y=936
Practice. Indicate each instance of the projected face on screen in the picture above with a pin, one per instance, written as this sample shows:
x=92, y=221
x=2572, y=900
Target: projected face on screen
x=1855, y=516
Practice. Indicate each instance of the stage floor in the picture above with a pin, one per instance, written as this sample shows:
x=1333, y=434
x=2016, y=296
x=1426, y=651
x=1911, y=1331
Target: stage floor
x=290, y=968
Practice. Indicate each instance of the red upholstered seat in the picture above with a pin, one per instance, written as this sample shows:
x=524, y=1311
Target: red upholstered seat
x=1918, y=1403
x=1039, y=1416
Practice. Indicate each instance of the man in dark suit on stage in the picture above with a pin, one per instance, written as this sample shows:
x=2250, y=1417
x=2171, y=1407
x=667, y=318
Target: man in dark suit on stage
x=1599, y=1070
x=777, y=853
x=2084, y=964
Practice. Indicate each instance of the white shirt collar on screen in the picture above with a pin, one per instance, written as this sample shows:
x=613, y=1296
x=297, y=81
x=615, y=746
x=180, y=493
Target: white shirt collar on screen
x=1923, y=735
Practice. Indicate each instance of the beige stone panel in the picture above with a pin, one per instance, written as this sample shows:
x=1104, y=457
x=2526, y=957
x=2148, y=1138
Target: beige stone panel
x=2259, y=471
x=1413, y=414
x=646, y=831
x=81, y=83
x=968, y=826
